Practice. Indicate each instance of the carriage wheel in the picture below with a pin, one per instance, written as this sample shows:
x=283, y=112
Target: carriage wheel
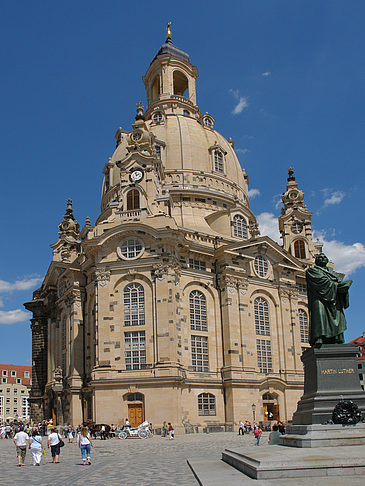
x=123, y=434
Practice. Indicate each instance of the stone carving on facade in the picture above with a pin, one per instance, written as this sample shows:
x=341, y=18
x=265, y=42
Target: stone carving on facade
x=242, y=287
x=58, y=374
x=160, y=270
x=73, y=298
x=102, y=276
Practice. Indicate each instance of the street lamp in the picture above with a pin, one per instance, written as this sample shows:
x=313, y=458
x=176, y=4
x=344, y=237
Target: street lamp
x=253, y=406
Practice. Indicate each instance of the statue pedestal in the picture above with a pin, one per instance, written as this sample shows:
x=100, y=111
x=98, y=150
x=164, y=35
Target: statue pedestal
x=330, y=374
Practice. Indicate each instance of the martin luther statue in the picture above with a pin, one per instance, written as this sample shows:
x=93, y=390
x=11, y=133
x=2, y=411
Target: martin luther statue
x=327, y=298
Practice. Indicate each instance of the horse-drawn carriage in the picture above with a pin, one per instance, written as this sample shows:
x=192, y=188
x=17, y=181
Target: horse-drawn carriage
x=141, y=432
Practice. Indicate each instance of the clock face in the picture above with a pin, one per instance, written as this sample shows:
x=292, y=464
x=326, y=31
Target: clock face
x=293, y=195
x=136, y=175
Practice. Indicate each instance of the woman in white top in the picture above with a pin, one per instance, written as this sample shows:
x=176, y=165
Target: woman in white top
x=85, y=445
x=36, y=448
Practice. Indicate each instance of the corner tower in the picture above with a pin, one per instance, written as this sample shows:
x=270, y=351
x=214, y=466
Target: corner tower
x=295, y=223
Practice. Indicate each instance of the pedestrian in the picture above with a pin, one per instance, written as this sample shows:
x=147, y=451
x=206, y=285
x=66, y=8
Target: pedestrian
x=85, y=445
x=171, y=431
x=36, y=448
x=102, y=433
x=70, y=435
x=54, y=443
x=241, y=428
x=257, y=433
x=21, y=439
x=164, y=429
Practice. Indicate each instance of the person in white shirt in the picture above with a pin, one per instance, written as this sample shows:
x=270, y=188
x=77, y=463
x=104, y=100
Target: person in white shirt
x=241, y=428
x=21, y=440
x=85, y=445
x=54, y=443
x=36, y=447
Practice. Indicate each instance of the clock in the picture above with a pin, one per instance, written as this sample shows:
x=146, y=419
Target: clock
x=136, y=175
x=136, y=136
x=293, y=195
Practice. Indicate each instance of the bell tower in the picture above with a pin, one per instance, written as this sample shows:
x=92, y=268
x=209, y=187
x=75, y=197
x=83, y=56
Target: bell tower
x=295, y=223
x=170, y=77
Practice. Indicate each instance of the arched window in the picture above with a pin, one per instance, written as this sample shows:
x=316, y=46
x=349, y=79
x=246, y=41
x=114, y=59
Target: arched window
x=206, y=404
x=134, y=305
x=156, y=88
x=303, y=324
x=262, y=321
x=186, y=112
x=218, y=161
x=198, y=311
x=180, y=84
x=132, y=199
x=240, y=227
x=299, y=249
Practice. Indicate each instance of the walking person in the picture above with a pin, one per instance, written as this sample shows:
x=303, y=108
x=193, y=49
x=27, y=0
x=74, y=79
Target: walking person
x=36, y=447
x=257, y=433
x=85, y=445
x=171, y=431
x=21, y=440
x=241, y=428
x=54, y=443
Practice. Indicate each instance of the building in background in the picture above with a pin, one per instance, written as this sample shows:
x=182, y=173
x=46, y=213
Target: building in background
x=16, y=382
x=172, y=306
x=360, y=343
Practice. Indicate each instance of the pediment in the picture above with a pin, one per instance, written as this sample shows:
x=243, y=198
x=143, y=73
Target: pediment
x=268, y=247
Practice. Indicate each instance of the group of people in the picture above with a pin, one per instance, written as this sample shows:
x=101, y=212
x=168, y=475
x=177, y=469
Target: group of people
x=277, y=430
x=167, y=430
x=33, y=440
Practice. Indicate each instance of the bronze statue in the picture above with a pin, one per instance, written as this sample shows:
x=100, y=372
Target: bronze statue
x=327, y=298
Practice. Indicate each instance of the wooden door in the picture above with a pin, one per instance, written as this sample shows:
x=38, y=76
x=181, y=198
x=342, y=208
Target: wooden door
x=135, y=414
x=275, y=411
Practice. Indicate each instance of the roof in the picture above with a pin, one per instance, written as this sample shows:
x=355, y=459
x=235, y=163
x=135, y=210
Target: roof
x=171, y=50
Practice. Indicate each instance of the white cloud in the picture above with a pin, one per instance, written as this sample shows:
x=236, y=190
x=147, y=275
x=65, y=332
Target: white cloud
x=241, y=105
x=242, y=102
x=335, y=198
x=242, y=151
x=269, y=226
x=347, y=258
x=24, y=284
x=266, y=74
x=13, y=316
x=252, y=193
x=1, y=303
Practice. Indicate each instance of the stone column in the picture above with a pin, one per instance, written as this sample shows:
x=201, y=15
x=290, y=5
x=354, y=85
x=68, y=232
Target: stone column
x=39, y=367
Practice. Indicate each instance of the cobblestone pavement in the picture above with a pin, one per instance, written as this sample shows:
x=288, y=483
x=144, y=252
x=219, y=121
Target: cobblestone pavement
x=154, y=461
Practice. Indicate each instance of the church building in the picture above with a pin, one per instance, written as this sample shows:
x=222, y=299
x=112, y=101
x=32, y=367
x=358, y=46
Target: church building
x=172, y=306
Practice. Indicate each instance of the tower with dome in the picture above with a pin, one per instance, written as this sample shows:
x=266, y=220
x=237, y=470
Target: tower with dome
x=172, y=306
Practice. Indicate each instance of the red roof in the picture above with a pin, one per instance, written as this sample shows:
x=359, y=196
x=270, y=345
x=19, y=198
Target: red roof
x=360, y=342
x=14, y=372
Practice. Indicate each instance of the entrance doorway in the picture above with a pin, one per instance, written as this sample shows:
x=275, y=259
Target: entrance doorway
x=135, y=414
x=271, y=407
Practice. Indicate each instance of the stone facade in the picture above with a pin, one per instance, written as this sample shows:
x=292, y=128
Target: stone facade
x=172, y=306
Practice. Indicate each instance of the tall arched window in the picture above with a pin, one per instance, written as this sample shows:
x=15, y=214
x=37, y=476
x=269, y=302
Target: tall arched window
x=218, y=161
x=206, y=404
x=299, y=249
x=262, y=321
x=240, y=227
x=198, y=311
x=134, y=305
x=132, y=199
x=303, y=324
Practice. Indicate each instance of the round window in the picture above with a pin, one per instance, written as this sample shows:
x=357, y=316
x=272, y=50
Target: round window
x=136, y=136
x=157, y=117
x=293, y=195
x=297, y=227
x=261, y=266
x=130, y=249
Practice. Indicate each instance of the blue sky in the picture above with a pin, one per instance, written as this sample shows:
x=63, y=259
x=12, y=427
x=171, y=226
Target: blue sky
x=284, y=79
